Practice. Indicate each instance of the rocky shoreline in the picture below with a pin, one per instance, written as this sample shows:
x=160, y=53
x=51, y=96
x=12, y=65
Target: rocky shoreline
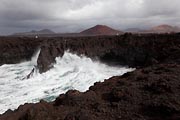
x=17, y=49
x=152, y=92
x=128, y=49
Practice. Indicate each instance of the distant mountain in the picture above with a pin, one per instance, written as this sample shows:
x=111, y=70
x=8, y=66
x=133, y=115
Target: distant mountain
x=101, y=30
x=134, y=30
x=45, y=31
x=34, y=32
x=164, y=29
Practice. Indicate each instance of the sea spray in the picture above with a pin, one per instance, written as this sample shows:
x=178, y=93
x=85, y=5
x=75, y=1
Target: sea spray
x=69, y=72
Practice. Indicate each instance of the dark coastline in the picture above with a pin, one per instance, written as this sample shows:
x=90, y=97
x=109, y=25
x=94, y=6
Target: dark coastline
x=152, y=92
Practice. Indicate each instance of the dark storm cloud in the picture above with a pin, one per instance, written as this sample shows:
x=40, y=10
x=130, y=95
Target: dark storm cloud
x=75, y=15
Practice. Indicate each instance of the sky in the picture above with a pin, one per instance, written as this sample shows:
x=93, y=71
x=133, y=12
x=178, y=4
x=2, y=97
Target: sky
x=77, y=15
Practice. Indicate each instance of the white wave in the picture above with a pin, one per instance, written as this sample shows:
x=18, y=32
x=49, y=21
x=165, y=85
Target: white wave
x=69, y=72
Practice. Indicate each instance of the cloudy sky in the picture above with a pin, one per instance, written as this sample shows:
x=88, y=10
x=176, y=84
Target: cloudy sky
x=76, y=15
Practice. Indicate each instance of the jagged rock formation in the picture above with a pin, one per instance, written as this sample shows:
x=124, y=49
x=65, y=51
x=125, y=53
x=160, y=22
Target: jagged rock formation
x=128, y=49
x=132, y=50
x=17, y=49
x=152, y=92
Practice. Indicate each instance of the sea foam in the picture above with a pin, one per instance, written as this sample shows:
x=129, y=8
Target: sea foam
x=69, y=72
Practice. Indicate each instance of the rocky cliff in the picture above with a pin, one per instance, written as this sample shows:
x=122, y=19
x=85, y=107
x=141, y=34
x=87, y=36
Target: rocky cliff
x=17, y=49
x=152, y=92
x=132, y=50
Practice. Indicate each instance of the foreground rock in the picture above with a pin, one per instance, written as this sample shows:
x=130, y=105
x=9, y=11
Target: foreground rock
x=151, y=93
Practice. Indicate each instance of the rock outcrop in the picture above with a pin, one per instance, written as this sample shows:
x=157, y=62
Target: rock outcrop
x=151, y=93
x=132, y=50
x=17, y=49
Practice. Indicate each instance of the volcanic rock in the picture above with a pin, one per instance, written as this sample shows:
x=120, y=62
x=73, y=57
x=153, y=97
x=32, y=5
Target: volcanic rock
x=34, y=32
x=164, y=29
x=17, y=49
x=151, y=93
x=101, y=30
x=132, y=50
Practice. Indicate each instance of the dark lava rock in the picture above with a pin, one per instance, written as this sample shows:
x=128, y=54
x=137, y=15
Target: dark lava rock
x=128, y=49
x=152, y=92
x=131, y=50
x=17, y=49
x=139, y=95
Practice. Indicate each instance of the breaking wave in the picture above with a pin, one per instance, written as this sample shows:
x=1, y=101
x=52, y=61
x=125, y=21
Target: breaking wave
x=69, y=72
